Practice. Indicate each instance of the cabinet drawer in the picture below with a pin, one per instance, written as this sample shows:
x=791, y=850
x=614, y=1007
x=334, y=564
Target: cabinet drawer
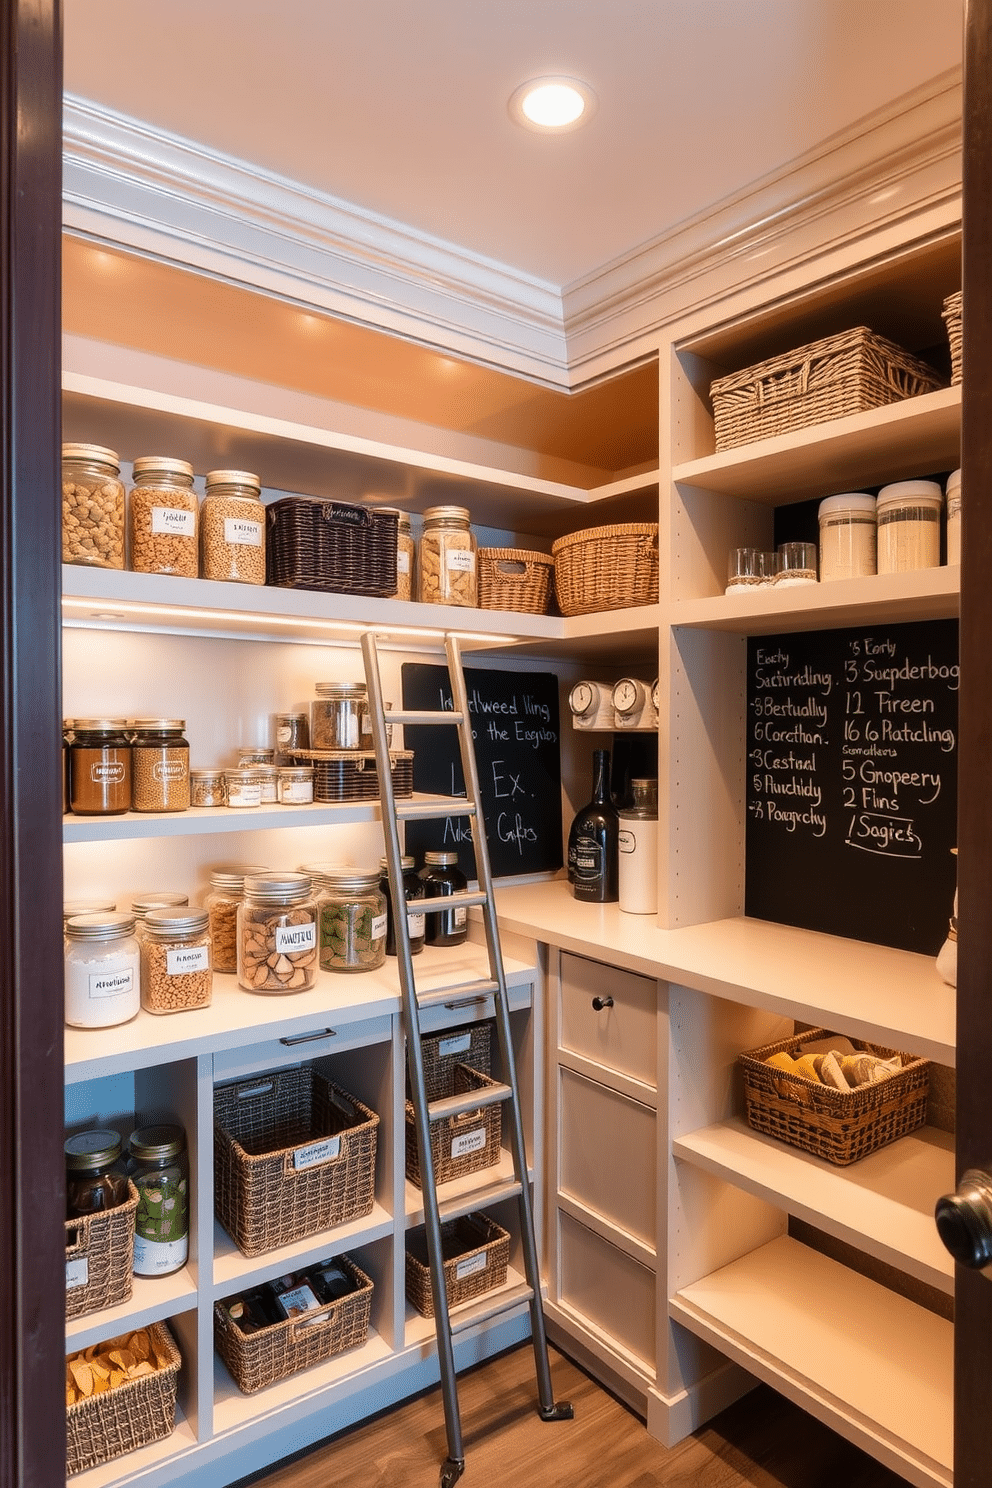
x=608, y=1154
x=615, y=1293
x=621, y=1037
x=270, y=1054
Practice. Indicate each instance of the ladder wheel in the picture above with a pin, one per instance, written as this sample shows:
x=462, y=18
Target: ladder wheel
x=561, y=1410
x=451, y=1471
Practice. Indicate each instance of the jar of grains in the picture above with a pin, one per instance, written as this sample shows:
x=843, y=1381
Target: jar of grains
x=268, y=784
x=909, y=526
x=413, y=890
x=102, y=970
x=161, y=765
x=99, y=767
x=227, y=887
x=442, y=877
x=158, y=1167
x=92, y=506
x=292, y=734
x=404, y=552
x=175, y=960
x=447, y=558
x=953, y=494
x=352, y=912
x=95, y=1175
x=847, y=536
x=241, y=787
x=339, y=718
x=232, y=528
x=295, y=785
x=164, y=517
x=206, y=788
x=277, y=933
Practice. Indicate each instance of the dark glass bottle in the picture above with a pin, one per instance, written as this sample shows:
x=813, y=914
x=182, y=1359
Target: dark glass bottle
x=593, y=860
x=441, y=876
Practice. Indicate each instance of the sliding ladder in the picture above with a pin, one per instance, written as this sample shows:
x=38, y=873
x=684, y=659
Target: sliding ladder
x=414, y=1004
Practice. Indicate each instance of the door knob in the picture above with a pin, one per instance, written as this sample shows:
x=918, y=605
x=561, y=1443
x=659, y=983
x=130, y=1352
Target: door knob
x=599, y=1003
x=964, y=1220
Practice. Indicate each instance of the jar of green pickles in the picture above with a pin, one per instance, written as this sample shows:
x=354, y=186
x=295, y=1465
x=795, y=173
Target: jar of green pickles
x=159, y=1169
x=351, y=914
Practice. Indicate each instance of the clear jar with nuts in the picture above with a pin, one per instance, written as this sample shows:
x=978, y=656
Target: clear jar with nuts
x=277, y=933
x=92, y=506
x=232, y=528
x=175, y=960
x=227, y=889
x=164, y=525
x=448, y=558
x=161, y=765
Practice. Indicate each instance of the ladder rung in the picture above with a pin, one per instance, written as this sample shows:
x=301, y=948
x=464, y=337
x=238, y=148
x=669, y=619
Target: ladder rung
x=480, y=1197
x=466, y=897
x=489, y=1307
x=468, y=1100
x=436, y=808
x=411, y=716
x=453, y=997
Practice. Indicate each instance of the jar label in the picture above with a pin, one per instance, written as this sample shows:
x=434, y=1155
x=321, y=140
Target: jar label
x=295, y=792
x=298, y=1301
x=244, y=795
x=296, y=937
x=157, y=1257
x=378, y=927
x=459, y=916
x=472, y=1141
x=112, y=983
x=110, y=772
x=460, y=1043
x=460, y=560
x=166, y=769
x=471, y=1265
x=77, y=1273
x=170, y=519
x=402, y=561
x=317, y=1152
x=182, y=959
x=238, y=531
x=416, y=925
x=627, y=841
x=284, y=733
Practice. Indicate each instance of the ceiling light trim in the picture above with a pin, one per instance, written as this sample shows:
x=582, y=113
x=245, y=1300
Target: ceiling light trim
x=521, y=97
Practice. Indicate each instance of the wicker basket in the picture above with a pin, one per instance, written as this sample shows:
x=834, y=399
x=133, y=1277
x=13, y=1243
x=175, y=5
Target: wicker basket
x=515, y=579
x=259, y=1359
x=293, y=1155
x=607, y=568
x=330, y=546
x=953, y=315
x=828, y=379
x=99, y=1254
x=131, y=1415
x=476, y=1252
x=459, y=1144
x=840, y=1126
x=352, y=775
x=471, y=1045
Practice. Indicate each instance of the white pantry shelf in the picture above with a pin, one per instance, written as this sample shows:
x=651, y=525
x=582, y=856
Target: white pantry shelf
x=881, y=599
x=152, y=1300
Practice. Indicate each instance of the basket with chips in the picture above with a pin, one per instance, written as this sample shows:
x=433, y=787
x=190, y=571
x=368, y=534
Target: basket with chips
x=120, y=1395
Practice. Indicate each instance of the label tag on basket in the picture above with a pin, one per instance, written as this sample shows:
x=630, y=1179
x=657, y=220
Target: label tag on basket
x=460, y=1043
x=77, y=1272
x=317, y=1152
x=472, y=1141
x=336, y=511
x=471, y=1265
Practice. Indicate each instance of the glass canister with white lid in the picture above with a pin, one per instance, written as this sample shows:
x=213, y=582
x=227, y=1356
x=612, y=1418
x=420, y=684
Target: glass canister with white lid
x=953, y=495
x=352, y=913
x=848, y=528
x=227, y=889
x=164, y=518
x=447, y=567
x=339, y=716
x=102, y=970
x=92, y=506
x=232, y=528
x=909, y=526
x=277, y=933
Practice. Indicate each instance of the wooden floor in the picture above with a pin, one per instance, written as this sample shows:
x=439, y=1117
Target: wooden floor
x=761, y=1442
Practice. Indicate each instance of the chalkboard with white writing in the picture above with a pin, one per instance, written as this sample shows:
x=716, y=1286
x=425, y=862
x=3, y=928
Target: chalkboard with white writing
x=515, y=728
x=852, y=781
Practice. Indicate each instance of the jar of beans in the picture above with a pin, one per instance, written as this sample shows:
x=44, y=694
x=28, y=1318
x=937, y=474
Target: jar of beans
x=100, y=764
x=175, y=960
x=164, y=525
x=232, y=528
x=92, y=506
x=227, y=888
x=352, y=911
x=277, y=933
x=161, y=764
x=206, y=788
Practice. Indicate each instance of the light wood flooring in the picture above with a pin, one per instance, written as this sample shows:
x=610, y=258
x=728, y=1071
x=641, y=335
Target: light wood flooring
x=760, y=1442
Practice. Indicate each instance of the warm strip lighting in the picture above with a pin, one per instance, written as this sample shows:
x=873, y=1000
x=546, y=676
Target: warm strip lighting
x=552, y=104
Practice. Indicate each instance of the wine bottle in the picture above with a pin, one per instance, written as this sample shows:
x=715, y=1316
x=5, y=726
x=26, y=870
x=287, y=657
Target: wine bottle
x=593, y=841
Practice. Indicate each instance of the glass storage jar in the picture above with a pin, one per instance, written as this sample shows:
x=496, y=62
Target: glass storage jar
x=448, y=558
x=352, y=912
x=909, y=526
x=232, y=528
x=92, y=506
x=413, y=889
x=339, y=716
x=292, y=733
x=242, y=787
x=206, y=788
x=161, y=764
x=262, y=755
x=227, y=888
x=164, y=518
x=175, y=960
x=277, y=933
x=100, y=767
x=953, y=495
x=442, y=876
x=158, y=1167
x=404, y=552
x=143, y=904
x=73, y=907
x=102, y=970
x=267, y=777
x=848, y=531
x=295, y=785
x=95, y=1175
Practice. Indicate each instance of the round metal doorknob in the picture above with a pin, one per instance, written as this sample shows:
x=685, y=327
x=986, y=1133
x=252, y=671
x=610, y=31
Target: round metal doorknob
x=964, y=1220
x=599, y=1003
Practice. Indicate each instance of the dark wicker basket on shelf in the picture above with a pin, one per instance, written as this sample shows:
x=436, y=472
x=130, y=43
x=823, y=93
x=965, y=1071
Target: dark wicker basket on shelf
x=471, y=1045
x=840, y=1126
x=330, y=546
x=476, y=1254
x=607, y=568
x=131, y=1415
x=516, y=579
x=352, y=774
x=459, y=1144
x=828, y=379
x=99, y=1254
x=953, y=316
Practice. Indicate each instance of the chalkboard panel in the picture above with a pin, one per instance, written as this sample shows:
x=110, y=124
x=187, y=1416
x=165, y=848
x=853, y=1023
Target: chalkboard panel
x=852, y=782
x=516, y=732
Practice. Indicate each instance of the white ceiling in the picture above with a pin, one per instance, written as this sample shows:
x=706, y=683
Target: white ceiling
x=400, y=106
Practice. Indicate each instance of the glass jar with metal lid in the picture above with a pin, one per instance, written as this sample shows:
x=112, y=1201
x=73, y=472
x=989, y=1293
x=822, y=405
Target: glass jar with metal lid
x=295, y=785
x=143, y=904
x=175, y=960
x=267, y=777
x=73, y=907
x=102, y=970
x=161, y=765
x=250, y=755
x=206, y=788
x=448, y=558
x=405, y=550
x=442, y=876
x=158, y=1167
x=227, y=888
x=242, y=787
x=164, y=517
x=95, y=1175
x=413, y=889
x=100, y=767
x=339, y=716
x=277, y=933
x=232, y=528
x=352, y=912
x=292, y=734
x=92, y=506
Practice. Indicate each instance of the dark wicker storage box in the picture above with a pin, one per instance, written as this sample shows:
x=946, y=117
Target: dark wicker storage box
x=476, y=1253
x=840, y=1126
x=516, y=579
x=352, y=774
x=131, y=1415
x=607, y=568
x=459, y=1144
x=99, y=1255
x=953, y=316
x=293, y=1155
x=471, y=1045
x=259, y=1359
x=330, y=546
x=828, y=379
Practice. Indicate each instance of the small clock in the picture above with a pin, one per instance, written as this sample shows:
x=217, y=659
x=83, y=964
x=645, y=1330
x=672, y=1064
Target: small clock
x=582, y=699
x=629, y=696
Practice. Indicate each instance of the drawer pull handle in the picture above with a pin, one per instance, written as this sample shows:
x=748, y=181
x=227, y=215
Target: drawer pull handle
x=599, y=1003
x=307, y=1038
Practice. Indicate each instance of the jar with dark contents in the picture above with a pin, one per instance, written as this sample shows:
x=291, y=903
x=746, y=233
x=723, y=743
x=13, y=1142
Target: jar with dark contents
x=100, y=767
x=292, y=735
x=441, y=876
x=161, y=765
x=95, y=1175
x=414, y=891
x=159, y=1169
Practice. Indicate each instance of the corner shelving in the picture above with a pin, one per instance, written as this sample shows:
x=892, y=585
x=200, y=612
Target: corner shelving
x=882, y=599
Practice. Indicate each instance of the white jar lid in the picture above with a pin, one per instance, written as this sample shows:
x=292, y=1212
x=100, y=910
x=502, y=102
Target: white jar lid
x=953, y=483
x=848, y=501
x=915, y=492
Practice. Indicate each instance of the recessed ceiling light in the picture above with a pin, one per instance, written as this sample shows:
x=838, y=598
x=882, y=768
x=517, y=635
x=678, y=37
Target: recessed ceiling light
x=554, y=104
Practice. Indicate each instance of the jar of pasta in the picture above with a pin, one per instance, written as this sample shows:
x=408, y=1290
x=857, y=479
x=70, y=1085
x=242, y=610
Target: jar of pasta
x=232, y=528
x=448, y=558
x=175, y=960
x=92, y=506
x=352, y=912
x=404, y=552
x=161, y=764
x=277, y=933
x=164, y=525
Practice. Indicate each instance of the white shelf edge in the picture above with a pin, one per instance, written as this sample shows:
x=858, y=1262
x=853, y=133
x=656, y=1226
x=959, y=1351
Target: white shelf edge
x=200, y=821
x=233, y=1410
x=152, y=1300
x=926, y=594
x=420, y=1331
x=232, y=1271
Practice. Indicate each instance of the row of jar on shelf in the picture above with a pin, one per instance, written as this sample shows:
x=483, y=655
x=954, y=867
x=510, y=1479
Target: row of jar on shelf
x=273, y=929
x=897, y=531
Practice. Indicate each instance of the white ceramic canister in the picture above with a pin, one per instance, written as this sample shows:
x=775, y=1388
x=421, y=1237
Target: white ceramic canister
x=847, y=536
x=638, y=856
x=953, y=494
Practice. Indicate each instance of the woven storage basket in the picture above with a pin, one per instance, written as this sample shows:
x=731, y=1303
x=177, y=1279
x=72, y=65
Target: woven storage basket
x=476, y=1252
x=99, y=1254
x=259, y=1359
x=840, y=1126
x=953, y=315
x=515, y=579
x=330, y=546
x=352, y=775
x=293, y=1155
x=459, y=1144
x=471, y=1045
x=828, y=379
x=607, y=568
x=131, y=1415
